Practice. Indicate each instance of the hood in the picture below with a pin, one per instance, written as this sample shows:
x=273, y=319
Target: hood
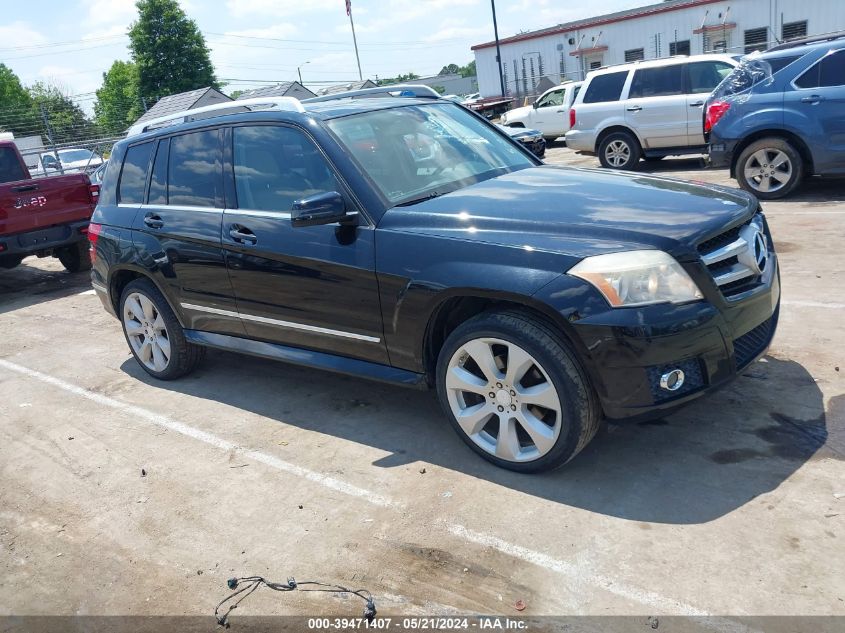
x=579, y=212
x=518, y=113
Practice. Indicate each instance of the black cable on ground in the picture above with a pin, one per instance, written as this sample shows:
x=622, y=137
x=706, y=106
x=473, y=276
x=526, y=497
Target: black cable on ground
x=244, y=586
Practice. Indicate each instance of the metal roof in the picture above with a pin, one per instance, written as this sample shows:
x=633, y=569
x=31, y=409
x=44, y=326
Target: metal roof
x=607, y=18
x=176, y=103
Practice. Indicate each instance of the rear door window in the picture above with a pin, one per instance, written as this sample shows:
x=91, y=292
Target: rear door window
x=607, y=87
x=10, y=167
x=276, y=165
x=661, y=81
x=195, y=172
x=703, y=77
x=828, y=72
x=133, y=176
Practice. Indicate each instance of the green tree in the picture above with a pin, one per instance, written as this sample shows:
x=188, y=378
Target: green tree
x=67, y=120
x=398, y=79
x=169, y=51
x=450, y=69
x=468, y=70
x=118, y=102
x=15, y=104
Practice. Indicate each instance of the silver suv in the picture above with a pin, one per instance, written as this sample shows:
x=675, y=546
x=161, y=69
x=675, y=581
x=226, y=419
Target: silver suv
x=645, y=109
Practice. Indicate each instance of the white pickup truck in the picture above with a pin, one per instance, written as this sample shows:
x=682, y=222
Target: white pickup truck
x=549, y=113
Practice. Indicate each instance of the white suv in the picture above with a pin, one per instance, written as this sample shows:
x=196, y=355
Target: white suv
x=645, y=109
x=549, y=114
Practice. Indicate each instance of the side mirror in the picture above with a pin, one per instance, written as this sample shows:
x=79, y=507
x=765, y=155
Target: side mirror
x=536, y=104
x=322, y=208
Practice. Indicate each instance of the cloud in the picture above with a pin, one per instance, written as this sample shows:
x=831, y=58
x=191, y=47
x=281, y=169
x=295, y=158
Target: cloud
x=20, y=34
x=279, y=8
x=111, y=12
x=281, y=31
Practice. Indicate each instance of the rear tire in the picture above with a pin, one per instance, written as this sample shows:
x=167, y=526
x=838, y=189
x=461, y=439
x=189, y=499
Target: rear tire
x=153, y=332
x=619, y=150
x=75, y=258
x=515, y=393
x=10, y=261
x=770, y=168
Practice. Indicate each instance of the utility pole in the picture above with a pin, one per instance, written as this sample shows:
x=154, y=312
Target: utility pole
x=354, y=39
x=498, y=50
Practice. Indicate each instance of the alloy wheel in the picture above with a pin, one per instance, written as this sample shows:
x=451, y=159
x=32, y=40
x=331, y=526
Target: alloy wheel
x=503, y=399
x=768, y=170
x=146, y=331
x=617, y=153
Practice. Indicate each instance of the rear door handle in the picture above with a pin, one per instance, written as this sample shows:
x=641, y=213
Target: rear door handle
x=634, y=108
x=242, y=235
x=812, y=99
x=153, y=221
x=697, y=104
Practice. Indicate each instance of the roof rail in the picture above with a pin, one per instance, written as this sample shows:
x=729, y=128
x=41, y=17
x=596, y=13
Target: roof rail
x=397, y=90
x=227, y=107
x=807, y=40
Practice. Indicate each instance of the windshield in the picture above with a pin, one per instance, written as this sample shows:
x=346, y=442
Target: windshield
x=417, y=152
x=74, y=155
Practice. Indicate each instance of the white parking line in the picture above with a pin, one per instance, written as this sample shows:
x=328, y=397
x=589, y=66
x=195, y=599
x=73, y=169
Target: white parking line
x=202, y=436
x=577, y=574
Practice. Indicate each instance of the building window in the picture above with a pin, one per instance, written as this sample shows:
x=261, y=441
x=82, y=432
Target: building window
x=635, y=54
x=679, y=48
x=756, y=40
x=794, y=30
x=594, y=65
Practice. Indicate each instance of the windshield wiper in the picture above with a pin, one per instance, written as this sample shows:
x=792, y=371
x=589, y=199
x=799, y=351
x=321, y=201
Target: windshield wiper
x=418, y=199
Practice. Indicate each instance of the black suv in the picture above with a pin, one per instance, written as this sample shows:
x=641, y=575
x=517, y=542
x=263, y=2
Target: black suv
x=404, y=238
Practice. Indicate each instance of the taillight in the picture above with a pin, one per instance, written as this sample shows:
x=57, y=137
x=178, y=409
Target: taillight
x=715, y=111
x=93, y=234
x=94, y=191
x=571, y=117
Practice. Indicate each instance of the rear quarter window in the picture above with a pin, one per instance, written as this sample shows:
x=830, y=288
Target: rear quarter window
x=133, y=176
x=10, y=167
x=607, y=87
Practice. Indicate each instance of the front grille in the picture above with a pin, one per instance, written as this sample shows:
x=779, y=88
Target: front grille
x=749, y=345
x=726, y=256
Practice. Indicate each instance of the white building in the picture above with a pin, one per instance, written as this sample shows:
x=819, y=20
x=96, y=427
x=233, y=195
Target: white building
x=673, y=27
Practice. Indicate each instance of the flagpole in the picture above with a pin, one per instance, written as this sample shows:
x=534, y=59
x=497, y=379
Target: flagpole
x=354, y=39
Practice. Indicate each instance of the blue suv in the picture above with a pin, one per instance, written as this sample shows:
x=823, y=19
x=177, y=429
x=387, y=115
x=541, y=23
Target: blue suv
x=780, y=116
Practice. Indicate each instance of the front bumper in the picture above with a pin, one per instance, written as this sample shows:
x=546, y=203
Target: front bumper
x=536, y=147
x=581, y=141
x=626, y=351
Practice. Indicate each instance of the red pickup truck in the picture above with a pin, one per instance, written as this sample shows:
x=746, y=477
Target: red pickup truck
x=43, y=216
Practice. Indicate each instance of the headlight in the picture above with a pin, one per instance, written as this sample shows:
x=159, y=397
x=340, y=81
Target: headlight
x=636, y=278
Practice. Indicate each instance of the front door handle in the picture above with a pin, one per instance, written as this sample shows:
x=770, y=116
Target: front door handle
x=696, y=104
x=153, y=221
x=634, y=108
x=812, y=99
x=242, y=235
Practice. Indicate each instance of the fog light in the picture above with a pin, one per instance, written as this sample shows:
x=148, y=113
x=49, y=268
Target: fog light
x=672, y=380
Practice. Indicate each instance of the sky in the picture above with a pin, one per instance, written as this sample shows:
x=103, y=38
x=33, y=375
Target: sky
x=254, y=42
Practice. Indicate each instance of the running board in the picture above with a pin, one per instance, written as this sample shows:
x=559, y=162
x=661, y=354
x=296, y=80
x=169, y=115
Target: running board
x=308, y=358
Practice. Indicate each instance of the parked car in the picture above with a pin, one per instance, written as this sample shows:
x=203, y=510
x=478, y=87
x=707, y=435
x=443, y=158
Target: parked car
x=645, y=110
x=549, y=113
x=471, y=98
x=532, y=139
x=535, y=299
x=780, y=116
x=97, y=175
x=71, y=160
x=45, y=216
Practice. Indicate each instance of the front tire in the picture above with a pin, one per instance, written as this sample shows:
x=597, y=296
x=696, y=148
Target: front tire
x=515, y=393
x=75, y=258
x=770, y=168
x=619, y=150
x=154, y=334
